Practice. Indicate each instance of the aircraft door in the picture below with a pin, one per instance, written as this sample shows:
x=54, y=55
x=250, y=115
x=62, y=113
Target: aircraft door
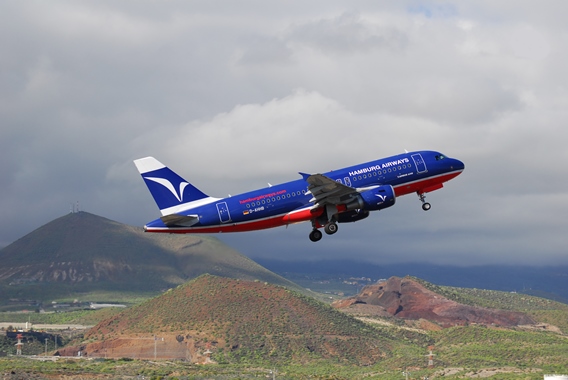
x=223, y=211
x=419, y=162
x=347, y=181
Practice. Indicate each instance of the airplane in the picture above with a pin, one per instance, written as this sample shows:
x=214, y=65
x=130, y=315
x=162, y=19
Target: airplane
x=339, y=196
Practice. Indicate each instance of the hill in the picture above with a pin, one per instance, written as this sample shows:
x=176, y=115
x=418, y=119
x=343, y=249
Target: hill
x=84, y=255
x=411, y=298
x=255, y=326
x=235, y=321
x=544, y=311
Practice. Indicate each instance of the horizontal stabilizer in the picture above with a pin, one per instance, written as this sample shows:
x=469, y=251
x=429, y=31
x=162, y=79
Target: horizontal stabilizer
x=177, y=220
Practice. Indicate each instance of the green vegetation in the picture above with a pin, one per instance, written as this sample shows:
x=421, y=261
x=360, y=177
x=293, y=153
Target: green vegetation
x=120, y=368
x=254, y=327
x=479, y=347
x=79, y=317
x=32, y=347
x=461, y=352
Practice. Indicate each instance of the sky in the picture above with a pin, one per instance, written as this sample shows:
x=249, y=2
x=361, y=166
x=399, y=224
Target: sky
x=235, y=95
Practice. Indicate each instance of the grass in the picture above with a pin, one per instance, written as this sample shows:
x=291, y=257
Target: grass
x=80, y=317
x=412, y=360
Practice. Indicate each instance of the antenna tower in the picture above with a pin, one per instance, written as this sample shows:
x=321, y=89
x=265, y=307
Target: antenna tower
x=430, y=357
x=19, y=344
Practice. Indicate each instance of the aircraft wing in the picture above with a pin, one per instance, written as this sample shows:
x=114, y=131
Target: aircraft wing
x=327, y=191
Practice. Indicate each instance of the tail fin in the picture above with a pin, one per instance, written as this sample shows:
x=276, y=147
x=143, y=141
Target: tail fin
x=168, y=189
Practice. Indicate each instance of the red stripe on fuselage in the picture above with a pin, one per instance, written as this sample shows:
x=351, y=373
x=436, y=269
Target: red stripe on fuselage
x=421, y=185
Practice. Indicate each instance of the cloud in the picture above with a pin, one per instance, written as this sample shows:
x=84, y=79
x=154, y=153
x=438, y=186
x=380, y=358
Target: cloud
x=348, y=33
x=233, y=97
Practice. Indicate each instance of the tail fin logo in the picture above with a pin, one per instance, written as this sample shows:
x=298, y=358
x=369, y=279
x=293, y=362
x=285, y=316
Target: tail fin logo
x=168, y=185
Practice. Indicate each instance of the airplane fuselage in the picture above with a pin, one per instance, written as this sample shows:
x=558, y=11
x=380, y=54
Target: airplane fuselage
x=293, y=202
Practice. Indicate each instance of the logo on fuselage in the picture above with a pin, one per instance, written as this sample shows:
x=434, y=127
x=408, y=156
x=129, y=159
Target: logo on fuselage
x=168, y=185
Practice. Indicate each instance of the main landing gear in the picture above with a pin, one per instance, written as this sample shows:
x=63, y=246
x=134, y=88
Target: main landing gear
x=425, y=205
x=315, y=235
x=329, y=229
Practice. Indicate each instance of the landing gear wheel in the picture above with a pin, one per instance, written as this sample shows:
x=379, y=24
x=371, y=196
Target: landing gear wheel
x=425, y=205
x=330, y=228
x=315, y=235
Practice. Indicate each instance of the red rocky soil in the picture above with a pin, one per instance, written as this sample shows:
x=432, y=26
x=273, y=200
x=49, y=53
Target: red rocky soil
x=408, y=299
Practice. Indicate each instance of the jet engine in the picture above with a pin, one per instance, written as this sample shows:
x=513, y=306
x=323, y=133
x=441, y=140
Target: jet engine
x=372, y=200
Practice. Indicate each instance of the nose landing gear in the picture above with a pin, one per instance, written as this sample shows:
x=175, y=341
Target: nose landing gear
x=425, y=205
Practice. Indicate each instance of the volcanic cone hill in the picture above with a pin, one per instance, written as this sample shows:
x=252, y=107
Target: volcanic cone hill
x=85, y=253
x=236, y=321
x=407, y=298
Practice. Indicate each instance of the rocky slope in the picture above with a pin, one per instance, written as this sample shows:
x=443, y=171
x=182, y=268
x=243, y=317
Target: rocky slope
x=408, y=299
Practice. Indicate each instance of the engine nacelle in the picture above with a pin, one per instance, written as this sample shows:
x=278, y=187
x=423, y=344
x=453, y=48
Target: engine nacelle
x=379, y=198
x=372, y=200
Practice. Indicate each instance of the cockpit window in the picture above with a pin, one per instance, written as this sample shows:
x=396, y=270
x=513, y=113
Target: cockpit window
x=440, y=157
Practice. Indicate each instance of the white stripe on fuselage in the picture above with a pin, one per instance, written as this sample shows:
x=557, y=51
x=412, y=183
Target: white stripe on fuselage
x=188, y=206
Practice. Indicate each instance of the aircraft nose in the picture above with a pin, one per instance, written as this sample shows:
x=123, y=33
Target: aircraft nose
x=457, y=164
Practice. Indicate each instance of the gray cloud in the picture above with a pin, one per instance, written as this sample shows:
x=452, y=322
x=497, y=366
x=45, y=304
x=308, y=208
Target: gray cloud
x=348, y=33
x=233, y=97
